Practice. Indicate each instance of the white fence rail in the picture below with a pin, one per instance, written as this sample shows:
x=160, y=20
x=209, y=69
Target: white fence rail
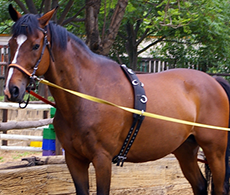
x=4, y=126
x=20, y=137
x=21, y=148
x=15, y=106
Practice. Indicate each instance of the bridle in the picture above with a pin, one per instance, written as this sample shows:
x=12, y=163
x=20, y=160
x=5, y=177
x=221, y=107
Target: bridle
x=32, y=76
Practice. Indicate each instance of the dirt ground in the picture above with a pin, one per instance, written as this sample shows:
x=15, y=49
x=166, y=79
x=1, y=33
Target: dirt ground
x=12, y=156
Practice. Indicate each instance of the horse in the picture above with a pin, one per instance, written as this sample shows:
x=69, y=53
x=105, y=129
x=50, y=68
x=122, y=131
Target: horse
x=93, y=133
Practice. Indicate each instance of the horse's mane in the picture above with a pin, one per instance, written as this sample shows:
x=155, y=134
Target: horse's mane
x=28, y=25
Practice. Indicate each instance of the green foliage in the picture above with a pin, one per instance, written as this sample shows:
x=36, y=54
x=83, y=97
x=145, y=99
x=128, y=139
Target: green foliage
x=205, y=39
x=77, y=28
x=196, y=32
x=32, y=98
x=5, y=21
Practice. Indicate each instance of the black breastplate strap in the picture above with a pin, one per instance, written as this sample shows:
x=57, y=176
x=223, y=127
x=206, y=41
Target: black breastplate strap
x=140, y=100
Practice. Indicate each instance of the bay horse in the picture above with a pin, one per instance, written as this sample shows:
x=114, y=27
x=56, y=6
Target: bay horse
x=93, y=132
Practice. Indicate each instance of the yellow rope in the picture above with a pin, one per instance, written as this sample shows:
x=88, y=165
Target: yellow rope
x=148, y=114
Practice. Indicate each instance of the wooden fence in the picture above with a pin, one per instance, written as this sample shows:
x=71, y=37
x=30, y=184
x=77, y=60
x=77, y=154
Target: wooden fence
x=4, y=58
x=151, y=65
x=51, y=176
x=10, y=125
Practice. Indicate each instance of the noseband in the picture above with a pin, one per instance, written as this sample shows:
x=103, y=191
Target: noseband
x=32, y=75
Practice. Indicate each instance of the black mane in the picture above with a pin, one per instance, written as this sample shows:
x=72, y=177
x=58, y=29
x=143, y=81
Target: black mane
x=28, y=24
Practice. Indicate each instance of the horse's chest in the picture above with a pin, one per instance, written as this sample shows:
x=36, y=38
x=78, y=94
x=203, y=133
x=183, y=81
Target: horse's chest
x=75, y=138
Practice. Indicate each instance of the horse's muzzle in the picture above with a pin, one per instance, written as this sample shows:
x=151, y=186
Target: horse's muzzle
x=14, y=94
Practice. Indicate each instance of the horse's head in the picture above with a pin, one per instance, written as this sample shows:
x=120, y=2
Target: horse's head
x=28, y=50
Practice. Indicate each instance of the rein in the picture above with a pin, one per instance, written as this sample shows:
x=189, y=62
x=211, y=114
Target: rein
x=131, y=110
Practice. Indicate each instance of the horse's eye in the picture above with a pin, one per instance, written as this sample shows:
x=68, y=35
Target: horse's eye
x=36, y=46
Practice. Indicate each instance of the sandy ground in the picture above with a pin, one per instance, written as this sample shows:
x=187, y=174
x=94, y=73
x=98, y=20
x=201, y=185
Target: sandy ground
x=11, y=156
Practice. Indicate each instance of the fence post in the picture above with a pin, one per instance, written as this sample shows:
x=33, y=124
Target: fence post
x=5, y=111
x=4, y=119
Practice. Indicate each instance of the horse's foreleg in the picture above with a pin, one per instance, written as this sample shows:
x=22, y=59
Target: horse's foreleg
x=187, y=157
x=79, y=172
x=102, y=164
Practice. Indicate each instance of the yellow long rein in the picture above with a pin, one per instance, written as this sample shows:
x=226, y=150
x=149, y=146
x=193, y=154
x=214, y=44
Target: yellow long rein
x=148, y=114
x=98, y=100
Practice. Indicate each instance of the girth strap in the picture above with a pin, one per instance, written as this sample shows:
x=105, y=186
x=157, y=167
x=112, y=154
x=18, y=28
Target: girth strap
x=140, y=100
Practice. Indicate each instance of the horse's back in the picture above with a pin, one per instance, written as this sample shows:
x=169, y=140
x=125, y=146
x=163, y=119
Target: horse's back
x=189, y=90
x=182, y=94
x=191, y=85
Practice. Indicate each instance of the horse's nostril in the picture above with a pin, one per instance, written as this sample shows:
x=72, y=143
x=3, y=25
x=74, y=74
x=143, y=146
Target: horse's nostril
x=14, y=92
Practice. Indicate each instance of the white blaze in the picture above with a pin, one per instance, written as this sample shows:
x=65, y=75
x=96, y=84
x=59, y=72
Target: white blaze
x=20, y=40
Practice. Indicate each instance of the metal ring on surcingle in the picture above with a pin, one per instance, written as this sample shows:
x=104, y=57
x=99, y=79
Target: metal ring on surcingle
x=135, y=82
x=130, y=71
x=143, y=99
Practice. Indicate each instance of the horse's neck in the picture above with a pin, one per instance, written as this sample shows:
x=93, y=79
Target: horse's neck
x=77, y=70
x=68, y=66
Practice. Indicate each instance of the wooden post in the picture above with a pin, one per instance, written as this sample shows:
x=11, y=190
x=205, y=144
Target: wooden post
x=4, y=119
x=45, y=113
x=58, y=147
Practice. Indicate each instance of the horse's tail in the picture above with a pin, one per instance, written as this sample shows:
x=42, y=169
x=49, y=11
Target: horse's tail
x=226, y=87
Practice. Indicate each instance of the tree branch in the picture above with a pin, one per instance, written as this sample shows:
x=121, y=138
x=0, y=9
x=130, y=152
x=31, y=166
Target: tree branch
x=54, y=5
x=142, y=37
x=73, y=18
x=65, y=12
x=41, y=6
x=150, y=45
x=122, y=35
x=155, y=42
x=138, y=23
x=181, y=42
x=22, y=6
x=103, y=28
x=47, y=6
x=31, y=6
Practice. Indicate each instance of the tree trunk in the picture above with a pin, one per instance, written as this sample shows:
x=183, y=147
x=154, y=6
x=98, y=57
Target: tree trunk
x=31, y=6
x=133, y=60
x=93, y=39
x=91, y=23
x=114, y=26
x=22, y=6
x=131, y=46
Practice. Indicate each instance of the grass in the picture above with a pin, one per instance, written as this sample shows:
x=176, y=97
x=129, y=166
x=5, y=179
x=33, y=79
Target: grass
x=20, y=155
x=10, y=156
x=32, y=98
x=1, y=98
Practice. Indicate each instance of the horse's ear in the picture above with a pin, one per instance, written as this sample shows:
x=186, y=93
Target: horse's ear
x=14, y=14
x=44, y=20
